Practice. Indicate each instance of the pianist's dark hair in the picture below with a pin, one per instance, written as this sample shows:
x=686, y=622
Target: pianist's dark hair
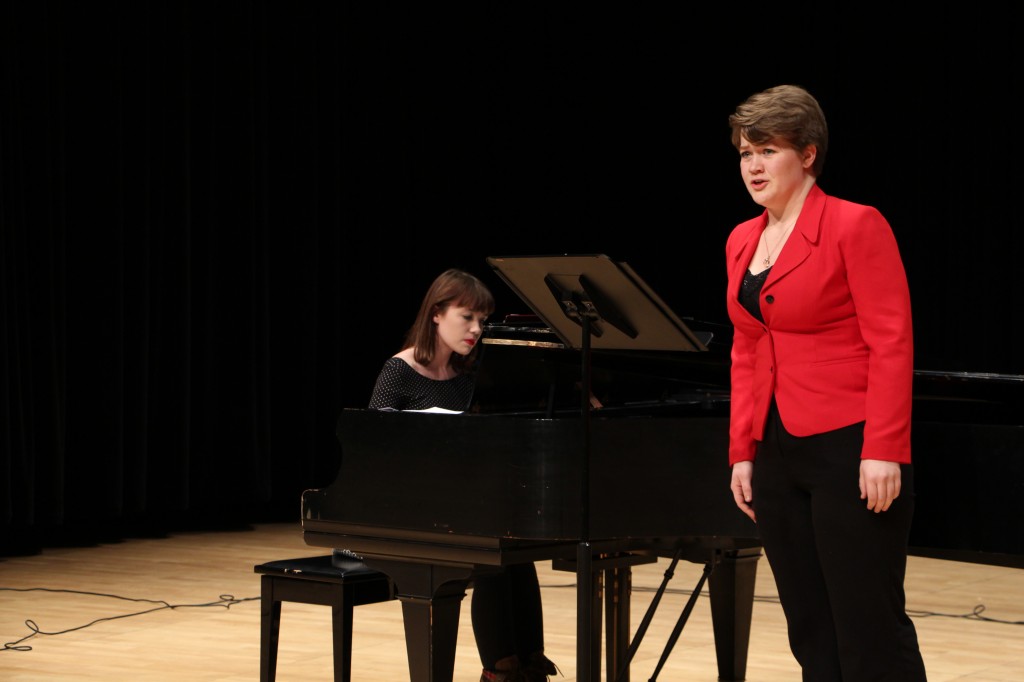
x=786, y=113
x=452, y=287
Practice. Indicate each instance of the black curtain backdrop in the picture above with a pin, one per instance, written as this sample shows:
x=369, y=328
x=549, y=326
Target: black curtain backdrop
x=217, y=218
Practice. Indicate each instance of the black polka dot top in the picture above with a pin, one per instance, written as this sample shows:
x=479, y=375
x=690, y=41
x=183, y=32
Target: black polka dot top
x=400, y=387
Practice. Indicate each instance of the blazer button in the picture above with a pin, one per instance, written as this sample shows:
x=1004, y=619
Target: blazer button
x=769, y=299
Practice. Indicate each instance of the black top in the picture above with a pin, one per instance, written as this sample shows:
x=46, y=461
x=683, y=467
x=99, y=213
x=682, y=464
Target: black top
x=750, y=292
x=400, y=387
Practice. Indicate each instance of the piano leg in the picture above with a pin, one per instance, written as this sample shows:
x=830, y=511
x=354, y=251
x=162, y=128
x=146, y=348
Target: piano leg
x=618, y=581
x=731, y=587
x=588, y=617
x=617, y=598
x=431, y=599
x=612, y=575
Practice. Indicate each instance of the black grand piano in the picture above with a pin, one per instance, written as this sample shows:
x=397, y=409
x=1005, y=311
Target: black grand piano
x=435, y=499
x=582, y=446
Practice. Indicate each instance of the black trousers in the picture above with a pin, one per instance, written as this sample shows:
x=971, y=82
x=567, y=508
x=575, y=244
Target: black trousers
x=507, y=614
x=838, y=566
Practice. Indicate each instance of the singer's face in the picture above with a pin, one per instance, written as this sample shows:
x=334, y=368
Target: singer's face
x=773, y=172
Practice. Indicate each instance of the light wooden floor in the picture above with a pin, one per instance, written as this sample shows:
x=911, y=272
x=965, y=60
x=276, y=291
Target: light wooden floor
x=202, y=638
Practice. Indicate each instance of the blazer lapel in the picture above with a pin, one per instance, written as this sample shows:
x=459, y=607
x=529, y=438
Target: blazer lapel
x=805, y=233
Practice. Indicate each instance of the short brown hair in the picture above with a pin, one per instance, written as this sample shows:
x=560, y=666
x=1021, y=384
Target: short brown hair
x=786, y=112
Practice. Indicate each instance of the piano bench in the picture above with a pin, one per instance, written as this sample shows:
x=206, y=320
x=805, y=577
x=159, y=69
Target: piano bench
x=334, y=580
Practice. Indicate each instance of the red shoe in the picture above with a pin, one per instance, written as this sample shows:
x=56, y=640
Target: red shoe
x=540, y=668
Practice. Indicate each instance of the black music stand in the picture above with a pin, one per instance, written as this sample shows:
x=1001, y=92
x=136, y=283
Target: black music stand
x=590, y=301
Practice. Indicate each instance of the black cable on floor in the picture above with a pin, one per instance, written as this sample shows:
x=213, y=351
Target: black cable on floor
x=225, y=600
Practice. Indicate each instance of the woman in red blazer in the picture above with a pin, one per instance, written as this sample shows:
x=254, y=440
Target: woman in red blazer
x=822, y=370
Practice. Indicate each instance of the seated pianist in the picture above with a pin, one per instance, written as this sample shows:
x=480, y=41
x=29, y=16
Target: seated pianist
x=431, y=372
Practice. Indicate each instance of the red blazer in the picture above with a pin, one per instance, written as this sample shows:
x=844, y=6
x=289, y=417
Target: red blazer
x=836, y=347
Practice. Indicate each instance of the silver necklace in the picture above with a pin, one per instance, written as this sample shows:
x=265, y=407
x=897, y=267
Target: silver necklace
x=768, y=259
